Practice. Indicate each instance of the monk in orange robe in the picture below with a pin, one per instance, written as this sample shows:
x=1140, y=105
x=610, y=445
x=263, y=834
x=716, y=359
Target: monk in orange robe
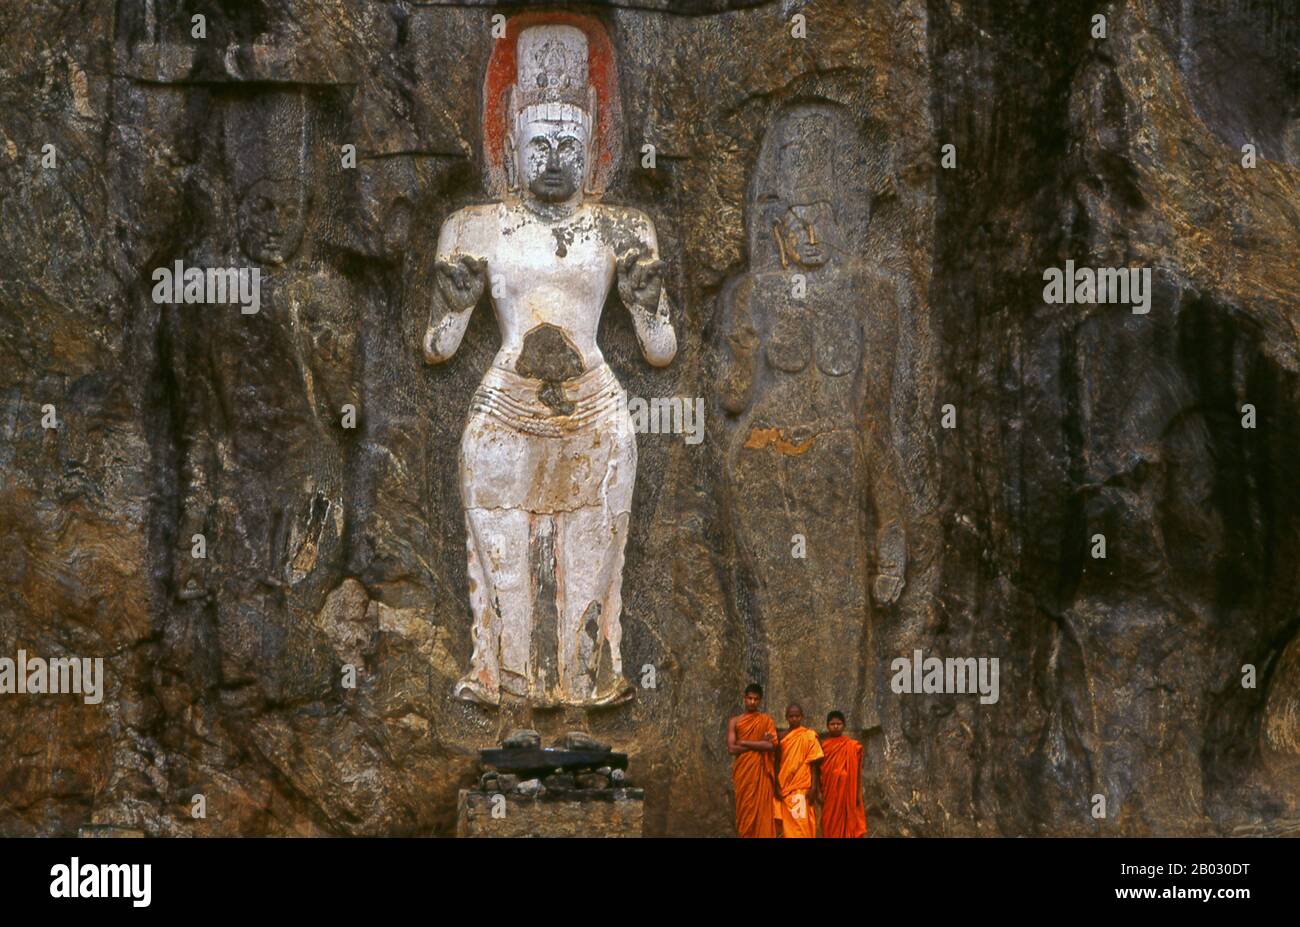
x=800, y=755
x=843, y=814
x=751, y=740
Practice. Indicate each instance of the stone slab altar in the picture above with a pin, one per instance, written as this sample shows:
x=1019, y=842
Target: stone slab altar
x=577, y=788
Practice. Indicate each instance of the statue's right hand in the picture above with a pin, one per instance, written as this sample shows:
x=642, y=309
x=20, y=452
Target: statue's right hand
x=461, y=282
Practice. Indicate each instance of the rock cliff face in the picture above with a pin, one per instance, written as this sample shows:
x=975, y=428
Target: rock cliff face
x=913, y=452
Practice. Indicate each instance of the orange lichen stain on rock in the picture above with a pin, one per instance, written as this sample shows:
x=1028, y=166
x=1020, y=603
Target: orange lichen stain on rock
x=773, y=438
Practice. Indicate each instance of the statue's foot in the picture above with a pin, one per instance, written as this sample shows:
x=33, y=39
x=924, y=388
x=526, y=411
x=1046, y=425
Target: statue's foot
x=618, y=692
x=469, y=689
x=192, y=592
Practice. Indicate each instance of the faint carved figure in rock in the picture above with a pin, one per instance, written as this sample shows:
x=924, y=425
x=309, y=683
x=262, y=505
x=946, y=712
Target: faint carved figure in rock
x=272, y=213
x=548, y=457
x=808, y=345
x=262, y=444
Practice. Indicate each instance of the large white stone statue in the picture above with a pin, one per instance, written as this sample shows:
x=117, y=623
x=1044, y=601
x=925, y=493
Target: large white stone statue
x=548, y=457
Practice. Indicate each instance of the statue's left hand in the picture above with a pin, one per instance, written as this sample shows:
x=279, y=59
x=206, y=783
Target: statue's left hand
x=891, y=551
x=640, y=281
x=887, y=589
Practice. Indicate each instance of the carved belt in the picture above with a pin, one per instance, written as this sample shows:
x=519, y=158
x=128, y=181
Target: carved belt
x=517, y=402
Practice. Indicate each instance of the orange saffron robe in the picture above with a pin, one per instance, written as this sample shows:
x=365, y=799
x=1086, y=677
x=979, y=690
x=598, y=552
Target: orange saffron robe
x=799, y=748
x=752, y=774
x=842, y=812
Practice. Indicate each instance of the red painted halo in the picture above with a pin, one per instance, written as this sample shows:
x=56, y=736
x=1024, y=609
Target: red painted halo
x=601, y=74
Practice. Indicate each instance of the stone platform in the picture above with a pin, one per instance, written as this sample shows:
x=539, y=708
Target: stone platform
x=578, y=788
x=548, y=813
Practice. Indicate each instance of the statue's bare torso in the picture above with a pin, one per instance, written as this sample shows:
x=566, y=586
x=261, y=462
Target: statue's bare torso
x=542, y=272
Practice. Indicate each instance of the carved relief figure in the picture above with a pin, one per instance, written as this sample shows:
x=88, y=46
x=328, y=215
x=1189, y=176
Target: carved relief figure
x=263, y=393
x=548, y=458
x=808, y=347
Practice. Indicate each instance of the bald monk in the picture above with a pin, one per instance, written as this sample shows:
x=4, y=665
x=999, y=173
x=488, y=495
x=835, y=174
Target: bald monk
x=843, y=814
x=799, y=757
x=751, y=740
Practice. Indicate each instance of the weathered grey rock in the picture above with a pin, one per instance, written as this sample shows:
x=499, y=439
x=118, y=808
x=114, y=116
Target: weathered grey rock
x=559, y=780
x=617, y=776
x=522, y=739
x=580, y=740
x=530, y=788
x=507, y=781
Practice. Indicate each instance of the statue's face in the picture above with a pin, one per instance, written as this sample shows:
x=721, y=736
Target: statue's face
x=552, y=159
x=806, y=232
x=272, y=216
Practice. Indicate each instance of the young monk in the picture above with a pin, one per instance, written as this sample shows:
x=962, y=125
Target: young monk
x=800, y=754
x=751, y=740
x=843, y=814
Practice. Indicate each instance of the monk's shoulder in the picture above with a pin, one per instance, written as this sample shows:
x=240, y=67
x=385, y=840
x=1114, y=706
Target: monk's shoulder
x=843, y=742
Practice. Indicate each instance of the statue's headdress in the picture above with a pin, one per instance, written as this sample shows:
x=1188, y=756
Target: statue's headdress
x=266, y=139
x=807, y=160
x=552, y=83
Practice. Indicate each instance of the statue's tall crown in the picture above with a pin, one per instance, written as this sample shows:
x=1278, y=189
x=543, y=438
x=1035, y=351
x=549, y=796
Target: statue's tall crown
x=551, y=81
x=807, y=172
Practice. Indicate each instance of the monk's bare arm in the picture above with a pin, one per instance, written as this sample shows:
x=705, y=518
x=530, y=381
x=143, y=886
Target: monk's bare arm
x=733, y=744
